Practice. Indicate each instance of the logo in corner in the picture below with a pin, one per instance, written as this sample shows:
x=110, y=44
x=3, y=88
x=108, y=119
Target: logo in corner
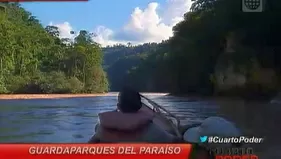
x=252, y=5
x=203, y=138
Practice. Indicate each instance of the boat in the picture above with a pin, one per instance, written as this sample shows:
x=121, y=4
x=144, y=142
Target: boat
x=163, y=118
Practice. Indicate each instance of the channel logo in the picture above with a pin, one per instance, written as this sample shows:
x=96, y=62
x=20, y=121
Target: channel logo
x=252, y=5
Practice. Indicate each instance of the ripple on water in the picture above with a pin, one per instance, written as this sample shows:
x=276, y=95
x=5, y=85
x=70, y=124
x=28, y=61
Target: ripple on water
x=78, y=136
x=17, y=138
x=73, y=120
x=45, y=132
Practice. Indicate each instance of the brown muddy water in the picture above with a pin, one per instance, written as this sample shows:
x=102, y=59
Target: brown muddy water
x=72, y=120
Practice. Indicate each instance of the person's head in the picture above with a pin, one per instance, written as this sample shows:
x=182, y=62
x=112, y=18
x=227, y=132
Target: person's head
x=129, y=100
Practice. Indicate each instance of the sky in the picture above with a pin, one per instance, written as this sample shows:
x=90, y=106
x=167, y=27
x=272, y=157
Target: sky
x=113, y=21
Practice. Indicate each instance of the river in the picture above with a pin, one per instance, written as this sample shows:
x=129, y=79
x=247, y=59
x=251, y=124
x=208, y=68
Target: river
x=72, y=120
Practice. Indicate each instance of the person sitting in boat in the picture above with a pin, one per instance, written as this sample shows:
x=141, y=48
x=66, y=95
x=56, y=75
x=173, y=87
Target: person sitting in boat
x=129, y=123
x=212, y=126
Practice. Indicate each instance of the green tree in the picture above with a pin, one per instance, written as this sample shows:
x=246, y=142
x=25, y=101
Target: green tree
x=34, y=59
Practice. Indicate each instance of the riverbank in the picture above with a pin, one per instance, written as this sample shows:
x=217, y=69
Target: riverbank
x=48, y=96
x=56, y=96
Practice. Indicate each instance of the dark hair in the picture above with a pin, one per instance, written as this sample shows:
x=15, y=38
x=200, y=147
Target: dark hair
x=129, y=100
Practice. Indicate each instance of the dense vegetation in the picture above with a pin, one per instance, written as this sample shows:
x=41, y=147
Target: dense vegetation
x=214, y=49
x=215, y=36
x=119, y=59
x=33, y=59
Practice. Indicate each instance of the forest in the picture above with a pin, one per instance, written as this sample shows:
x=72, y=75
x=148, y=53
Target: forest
x=35, y=60
x=216, y=50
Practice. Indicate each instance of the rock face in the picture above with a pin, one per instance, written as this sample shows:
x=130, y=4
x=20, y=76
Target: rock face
x=246, y=76
x=228, y=79
x=225, y=75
